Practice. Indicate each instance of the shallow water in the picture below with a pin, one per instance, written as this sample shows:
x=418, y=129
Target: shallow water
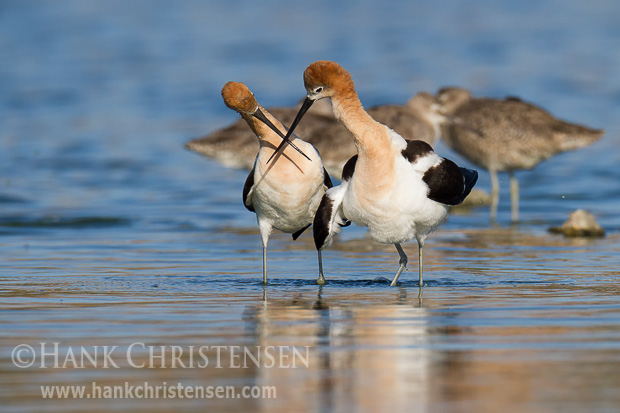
x=112, y=234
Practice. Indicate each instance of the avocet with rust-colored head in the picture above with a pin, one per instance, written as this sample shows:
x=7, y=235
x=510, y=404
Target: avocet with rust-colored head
x=400, y=189
x=286, y=193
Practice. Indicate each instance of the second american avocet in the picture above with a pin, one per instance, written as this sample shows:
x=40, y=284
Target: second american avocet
x=286, y=193
x=506, y=135
x=399, y=189
x=236, y=145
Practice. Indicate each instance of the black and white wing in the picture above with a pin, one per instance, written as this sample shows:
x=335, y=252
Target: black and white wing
x=329, y=218
x=448, y=183
x=248, y=188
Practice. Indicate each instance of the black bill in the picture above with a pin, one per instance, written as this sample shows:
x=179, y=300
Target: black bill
x=302, y=111
x=261, y=116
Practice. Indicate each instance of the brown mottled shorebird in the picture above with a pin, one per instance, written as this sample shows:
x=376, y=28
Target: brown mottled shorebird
x=236, y=146
x=400, y=189
x=286, y=193
x=506, y=135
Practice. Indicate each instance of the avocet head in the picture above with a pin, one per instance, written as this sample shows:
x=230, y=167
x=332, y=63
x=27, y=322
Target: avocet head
x=322, y=79
x=238, y=97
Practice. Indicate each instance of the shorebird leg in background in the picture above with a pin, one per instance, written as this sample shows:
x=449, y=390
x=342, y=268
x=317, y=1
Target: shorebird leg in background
x=494, y=195
x=514, y=197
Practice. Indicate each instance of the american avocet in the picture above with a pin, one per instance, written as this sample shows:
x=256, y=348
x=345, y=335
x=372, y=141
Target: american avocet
x=236, y=145
x=506, y=135
x=399, y=189
x=284, y=194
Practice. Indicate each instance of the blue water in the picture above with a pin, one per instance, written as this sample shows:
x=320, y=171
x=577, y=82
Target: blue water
x=111, y=232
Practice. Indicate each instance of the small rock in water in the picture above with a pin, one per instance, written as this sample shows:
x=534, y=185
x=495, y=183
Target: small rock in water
x=580, y=223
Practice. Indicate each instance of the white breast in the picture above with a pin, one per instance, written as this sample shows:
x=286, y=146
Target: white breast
x=286, y=194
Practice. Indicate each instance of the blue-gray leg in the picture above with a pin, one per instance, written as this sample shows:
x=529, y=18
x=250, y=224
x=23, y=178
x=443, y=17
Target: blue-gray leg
x=403, y=263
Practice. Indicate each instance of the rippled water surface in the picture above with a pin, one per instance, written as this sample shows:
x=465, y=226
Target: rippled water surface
x=112, y=234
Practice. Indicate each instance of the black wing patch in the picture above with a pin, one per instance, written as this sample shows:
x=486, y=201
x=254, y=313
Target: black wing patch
x=416, y=149
x=298, y=233
x=448, y=183
x=349, y=168
x=249, y=183
x=320, y=226
x=327, y=181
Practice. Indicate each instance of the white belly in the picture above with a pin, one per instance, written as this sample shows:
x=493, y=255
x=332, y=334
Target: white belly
x=398, y=214
x=287, y=204
x=287, y=215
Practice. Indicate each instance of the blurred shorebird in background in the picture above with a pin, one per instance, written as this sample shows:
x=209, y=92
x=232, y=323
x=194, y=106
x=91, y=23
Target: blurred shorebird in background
x=236, y=145
x=506, y=135
x=286, y=193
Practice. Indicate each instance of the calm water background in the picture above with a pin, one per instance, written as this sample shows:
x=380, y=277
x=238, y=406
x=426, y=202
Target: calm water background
x=111, y=233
